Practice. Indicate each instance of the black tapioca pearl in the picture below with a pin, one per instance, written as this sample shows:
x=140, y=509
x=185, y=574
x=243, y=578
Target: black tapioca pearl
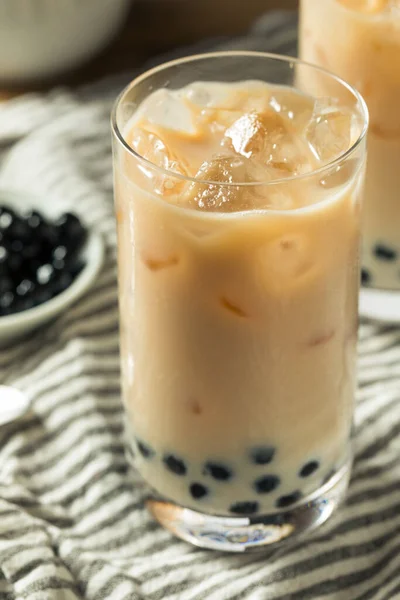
x=218, y=471
x=3, y=254
x=288, y=500
x=7, y=217
x=25, y=287
x=31, y=251
x=174, y=464
x=7, y=301
x=76, y=268
x=6, y=284
x=198, y=490
x=26, y=303
x=41, y=295
x=15, y=263
x=384, y=252
x=73, y=233
x=49, y=236
x=45, y=274
x=59, y=253
x=61, y=282
x=58, y=265
x=365, y=276
x=262, y=455
x=145, y=450
x=17, y=245
x=20, y=230
x=266, y=484
x=244, y=508
x=34, y=219
x=309, y=468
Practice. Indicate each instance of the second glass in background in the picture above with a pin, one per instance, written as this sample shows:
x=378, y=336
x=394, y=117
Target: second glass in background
x=359, y=40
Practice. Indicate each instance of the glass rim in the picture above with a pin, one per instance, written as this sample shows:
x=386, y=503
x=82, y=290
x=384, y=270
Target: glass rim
x=320, y=171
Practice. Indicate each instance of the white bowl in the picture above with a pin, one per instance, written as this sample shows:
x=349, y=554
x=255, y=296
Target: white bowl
x=18, y=324
x=40, y=38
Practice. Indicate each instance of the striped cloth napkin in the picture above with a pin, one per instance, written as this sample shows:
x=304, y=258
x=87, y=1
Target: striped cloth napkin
x=72, y=522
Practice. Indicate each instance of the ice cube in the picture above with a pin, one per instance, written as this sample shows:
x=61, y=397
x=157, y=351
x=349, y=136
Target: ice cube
x=330, y=130
x=216, y=106
x=295, y=107
x=291, y=156
x=222, y=194
x=270, y=139
x=247, y=95
x=206, y=94
x=153, y=148
x=252, y=96
x=216, y=120
x=215, y=196
x=256, y=133
x=167, y=109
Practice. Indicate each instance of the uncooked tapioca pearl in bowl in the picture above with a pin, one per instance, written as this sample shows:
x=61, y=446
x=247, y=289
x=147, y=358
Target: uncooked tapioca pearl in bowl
x=48, y=259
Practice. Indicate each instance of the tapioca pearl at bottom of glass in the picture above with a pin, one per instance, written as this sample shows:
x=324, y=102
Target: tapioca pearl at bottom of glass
x=175, y=464
x=244, y=508
x=288, y=499
x=218, y=471
x=145, y=450
x=366, y=277
x=198, y=490
x=266, y=484
x=262, y=455
x=385, y=252
x=309, y=468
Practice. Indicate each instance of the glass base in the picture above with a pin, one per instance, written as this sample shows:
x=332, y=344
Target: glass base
x=233, y=534
x=380, y=305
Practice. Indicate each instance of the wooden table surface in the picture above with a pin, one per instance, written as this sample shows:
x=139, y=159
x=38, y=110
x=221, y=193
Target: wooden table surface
x=154, y=26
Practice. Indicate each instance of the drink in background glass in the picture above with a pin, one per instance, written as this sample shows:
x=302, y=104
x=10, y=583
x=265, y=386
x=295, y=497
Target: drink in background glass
x=360, y=41
x=238, y=209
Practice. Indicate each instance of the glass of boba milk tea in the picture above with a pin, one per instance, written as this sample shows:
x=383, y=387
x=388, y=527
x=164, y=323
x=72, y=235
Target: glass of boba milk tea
x=238, y=210
x=367, y=54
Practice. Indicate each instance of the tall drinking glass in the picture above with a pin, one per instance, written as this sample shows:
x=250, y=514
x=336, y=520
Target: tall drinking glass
x=360, y=41
x=238, y=321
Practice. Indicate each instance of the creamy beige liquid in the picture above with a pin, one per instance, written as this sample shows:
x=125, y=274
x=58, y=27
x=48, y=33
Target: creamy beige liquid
x=238, y=324
x=360, y=41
